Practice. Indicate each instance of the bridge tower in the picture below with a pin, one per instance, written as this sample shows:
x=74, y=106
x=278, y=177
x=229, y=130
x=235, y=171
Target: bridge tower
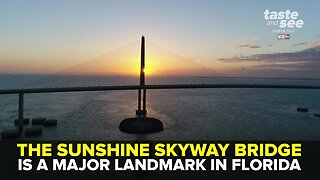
x=141, y=123
x=142, y=112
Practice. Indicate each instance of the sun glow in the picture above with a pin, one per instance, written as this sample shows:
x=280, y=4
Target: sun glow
x=127, y=62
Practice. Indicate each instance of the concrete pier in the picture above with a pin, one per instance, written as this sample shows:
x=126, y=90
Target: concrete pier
x=24, y=120
x=50, y=122
x=302, y=109
x=38, y=120
x=8, y=134
x=33, y=131
x=141, y=125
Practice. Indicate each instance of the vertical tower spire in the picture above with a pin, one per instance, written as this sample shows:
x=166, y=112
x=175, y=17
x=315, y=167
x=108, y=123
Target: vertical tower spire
x=143, y=111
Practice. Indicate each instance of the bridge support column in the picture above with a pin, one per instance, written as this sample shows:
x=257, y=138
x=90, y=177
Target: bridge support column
x=21, y=109
x=139, y=99
x=144, y=101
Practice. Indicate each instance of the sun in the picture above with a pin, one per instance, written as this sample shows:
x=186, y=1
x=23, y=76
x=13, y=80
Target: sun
x=151, y=66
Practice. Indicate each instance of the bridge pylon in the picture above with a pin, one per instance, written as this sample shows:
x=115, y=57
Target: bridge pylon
x=141, y=123
x=142, y=112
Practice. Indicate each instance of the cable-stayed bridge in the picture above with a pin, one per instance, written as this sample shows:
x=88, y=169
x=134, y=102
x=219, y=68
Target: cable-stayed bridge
x=72, y=79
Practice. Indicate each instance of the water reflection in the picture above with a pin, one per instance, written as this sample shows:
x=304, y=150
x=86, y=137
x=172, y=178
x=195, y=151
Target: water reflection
x=207, y=114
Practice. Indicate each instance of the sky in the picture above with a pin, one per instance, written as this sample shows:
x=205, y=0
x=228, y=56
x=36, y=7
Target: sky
x=230, y=36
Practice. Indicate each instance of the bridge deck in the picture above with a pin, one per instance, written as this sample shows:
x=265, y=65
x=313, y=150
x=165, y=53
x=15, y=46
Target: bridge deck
x=136, y=87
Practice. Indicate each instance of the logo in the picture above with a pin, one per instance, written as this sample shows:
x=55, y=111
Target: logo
x=284, y=23
x=283, y=36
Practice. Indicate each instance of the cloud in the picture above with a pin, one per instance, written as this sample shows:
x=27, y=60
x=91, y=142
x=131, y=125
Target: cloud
x=243, y=46
x=300, y=44
x=310, y=44
x=254, y=46
x=232, y=59
x=304, y=63
x=313, y=44
x=310, y=54
x=248, y=46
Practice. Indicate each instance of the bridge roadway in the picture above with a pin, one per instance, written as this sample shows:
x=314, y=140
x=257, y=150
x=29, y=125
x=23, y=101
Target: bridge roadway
x=136, y=87
x=23, y=91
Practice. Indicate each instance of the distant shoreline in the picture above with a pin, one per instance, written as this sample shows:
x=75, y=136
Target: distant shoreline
x=244, y=77
x=230, y=77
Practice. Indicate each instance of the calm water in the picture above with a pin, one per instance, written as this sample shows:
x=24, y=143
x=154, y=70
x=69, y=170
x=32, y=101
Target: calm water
x=190, y=114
